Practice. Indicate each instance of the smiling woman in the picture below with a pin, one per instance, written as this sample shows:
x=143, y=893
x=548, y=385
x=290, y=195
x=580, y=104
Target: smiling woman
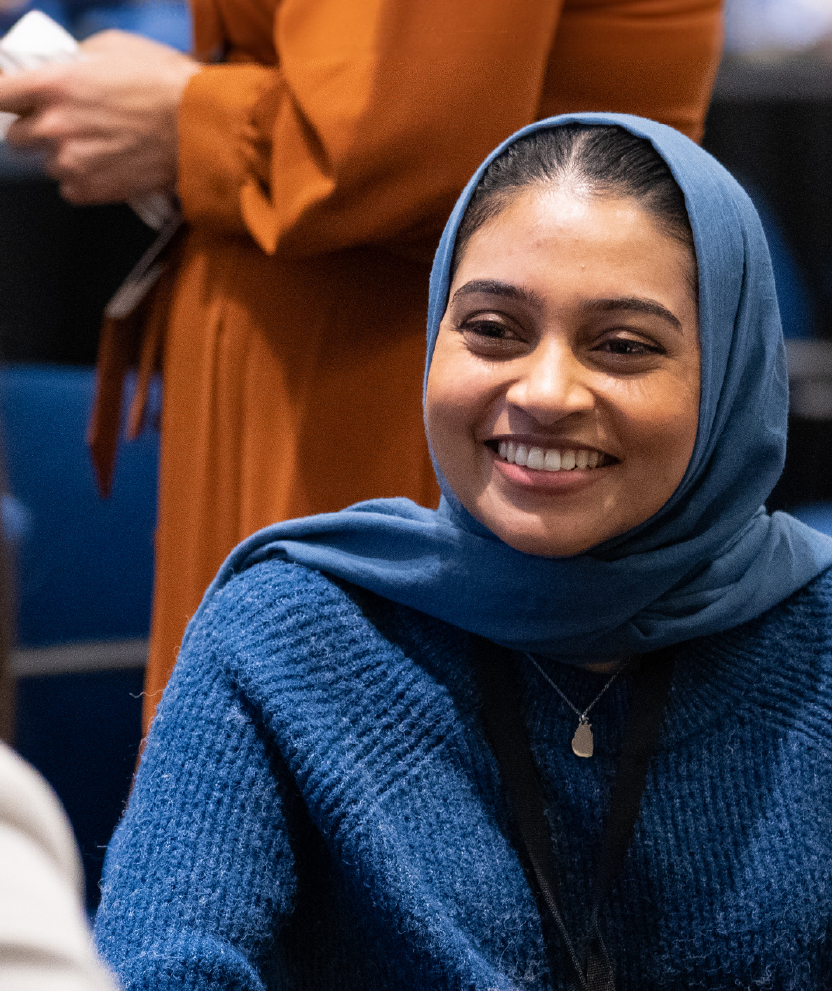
x=360, y=775
x=563, y=396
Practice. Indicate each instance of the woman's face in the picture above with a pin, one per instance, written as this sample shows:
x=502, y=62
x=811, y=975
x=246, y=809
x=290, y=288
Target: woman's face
x=563, y=395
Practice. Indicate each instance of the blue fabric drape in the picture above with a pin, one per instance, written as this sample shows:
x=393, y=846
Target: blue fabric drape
x=710, y=559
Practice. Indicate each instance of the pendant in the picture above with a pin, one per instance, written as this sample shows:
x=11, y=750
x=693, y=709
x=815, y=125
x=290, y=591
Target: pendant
x=582, y=742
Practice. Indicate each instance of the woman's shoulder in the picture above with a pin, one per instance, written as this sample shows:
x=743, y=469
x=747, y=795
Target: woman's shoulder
x=773, y=670
x=796, y=633
x=282, y=620
x=804, y=617
x=299, y=602
x=273, y=587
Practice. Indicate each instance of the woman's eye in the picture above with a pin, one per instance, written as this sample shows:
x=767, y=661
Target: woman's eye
x=491, y=338
x=491, y=329
x=628, y=346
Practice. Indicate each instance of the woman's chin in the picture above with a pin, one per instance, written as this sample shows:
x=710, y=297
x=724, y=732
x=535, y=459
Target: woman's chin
x=548, y=520
x=530, y=535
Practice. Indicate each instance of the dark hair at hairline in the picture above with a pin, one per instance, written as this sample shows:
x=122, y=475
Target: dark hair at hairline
x=593, y=159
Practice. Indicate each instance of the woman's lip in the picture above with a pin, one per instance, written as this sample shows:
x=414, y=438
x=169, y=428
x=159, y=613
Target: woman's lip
x=550, y=479
x=545, y=442
x=549, y=454
x=565, y=481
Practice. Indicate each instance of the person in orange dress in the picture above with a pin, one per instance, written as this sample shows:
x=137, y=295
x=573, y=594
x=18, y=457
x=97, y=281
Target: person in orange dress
x=317, y=147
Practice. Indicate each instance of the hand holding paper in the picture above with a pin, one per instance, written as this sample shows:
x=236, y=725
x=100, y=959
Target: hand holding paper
x=103, y=115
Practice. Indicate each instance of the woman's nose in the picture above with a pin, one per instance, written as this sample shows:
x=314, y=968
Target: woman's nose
x=551, y=383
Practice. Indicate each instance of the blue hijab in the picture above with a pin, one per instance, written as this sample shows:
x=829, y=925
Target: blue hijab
x=709, y=559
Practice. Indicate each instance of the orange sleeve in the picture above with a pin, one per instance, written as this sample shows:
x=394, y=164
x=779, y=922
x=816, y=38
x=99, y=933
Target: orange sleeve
x=653, y=58
x=379, y=110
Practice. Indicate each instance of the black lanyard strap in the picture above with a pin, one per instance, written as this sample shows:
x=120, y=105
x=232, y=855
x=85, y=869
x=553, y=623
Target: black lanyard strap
x=506, y=729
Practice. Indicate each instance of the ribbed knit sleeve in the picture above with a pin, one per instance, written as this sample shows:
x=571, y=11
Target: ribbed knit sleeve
x=200, y=874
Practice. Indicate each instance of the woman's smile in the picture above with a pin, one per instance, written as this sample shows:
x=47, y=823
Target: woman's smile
x=548, y=467
x=563, y=395
x=540, y=457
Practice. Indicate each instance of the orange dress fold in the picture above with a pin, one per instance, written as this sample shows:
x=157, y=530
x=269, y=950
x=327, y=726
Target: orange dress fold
x=318, y=163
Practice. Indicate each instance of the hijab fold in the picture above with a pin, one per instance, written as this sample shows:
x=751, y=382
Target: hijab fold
x=709, y=559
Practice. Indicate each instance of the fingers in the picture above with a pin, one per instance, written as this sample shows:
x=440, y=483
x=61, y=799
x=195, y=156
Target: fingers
x=95, y=169
x=47, y=103
x=89, y=171
x=105, y=125
x=19, y=94
x=29, y=91
x=35, y=129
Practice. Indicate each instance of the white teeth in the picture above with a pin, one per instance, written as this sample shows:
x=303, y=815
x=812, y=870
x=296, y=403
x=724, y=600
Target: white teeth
x=547, y=459
x=552, y=460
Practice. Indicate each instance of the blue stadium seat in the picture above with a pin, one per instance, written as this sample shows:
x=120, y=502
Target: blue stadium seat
x=84, y=574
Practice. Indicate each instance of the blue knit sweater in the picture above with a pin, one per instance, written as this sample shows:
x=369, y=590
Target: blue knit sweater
x=317, y=809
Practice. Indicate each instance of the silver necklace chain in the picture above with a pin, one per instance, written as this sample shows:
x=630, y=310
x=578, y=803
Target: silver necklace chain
x=581, y=715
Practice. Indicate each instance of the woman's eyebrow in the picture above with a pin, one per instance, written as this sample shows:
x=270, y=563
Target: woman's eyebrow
x=493, y=287
x=632, y=304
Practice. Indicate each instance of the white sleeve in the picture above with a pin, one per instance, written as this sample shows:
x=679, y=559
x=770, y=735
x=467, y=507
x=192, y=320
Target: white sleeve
x=45, y=942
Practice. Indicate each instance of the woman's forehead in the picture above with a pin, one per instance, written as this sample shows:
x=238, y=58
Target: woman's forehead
x=546, y=241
